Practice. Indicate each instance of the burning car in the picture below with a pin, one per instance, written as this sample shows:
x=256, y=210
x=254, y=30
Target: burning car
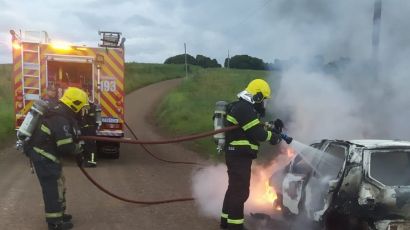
x=336, y=184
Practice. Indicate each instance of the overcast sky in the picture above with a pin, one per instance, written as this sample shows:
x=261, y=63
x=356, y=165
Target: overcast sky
x=157, y=29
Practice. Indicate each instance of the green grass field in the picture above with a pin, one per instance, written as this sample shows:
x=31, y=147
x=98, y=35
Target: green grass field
x=6, y=102
x=138, y=75
x=189, y=108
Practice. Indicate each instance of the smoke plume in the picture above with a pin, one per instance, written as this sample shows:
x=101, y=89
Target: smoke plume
x=363, y=96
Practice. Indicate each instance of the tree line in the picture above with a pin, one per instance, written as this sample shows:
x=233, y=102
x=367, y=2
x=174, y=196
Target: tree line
x=235, y=62
x=316, y=63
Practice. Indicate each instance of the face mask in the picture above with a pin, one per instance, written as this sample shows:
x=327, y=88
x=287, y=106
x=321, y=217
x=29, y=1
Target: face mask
x=260, y=109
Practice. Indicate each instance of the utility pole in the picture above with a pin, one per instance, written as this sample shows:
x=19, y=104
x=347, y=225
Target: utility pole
x=229, y=59
x=186, y=65
x=377, y=15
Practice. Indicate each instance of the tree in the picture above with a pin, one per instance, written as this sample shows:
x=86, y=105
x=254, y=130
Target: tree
x=180, y=59
x=245, y=62
x=206, y=62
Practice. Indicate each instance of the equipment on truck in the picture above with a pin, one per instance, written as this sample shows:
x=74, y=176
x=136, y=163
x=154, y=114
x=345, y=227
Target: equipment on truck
x=41, y=65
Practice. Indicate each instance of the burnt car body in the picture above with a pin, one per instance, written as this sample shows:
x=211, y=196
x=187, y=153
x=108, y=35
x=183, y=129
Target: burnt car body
x=336, y=184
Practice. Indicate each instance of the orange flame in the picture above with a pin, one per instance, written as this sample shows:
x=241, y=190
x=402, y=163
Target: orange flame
x=290, y=152
x=263, y=197
x=270, y=194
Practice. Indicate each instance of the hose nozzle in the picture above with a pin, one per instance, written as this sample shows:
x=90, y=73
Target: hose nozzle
x=286, y=138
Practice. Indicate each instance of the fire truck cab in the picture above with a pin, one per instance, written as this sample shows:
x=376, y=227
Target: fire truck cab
x=41, y=66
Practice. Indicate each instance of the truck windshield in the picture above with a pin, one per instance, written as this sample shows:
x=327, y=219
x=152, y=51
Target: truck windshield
x=391, y=167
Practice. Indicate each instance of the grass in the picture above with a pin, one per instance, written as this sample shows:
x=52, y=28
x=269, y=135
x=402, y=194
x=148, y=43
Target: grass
x=189, y=108
x=138, y=75
x=6, y=102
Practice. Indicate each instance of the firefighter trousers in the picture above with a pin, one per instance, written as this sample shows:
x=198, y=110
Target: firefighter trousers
x=52, y=182
x=239, y=173
x=90, y=146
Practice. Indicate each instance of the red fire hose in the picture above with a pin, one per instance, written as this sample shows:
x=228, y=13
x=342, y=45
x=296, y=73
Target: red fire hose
x=169, y=141
x=129, y=200
x=179, y=139
x=154, y=155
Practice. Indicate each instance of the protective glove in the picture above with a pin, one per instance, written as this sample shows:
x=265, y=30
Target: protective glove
x=275, y=139
x=278, y=124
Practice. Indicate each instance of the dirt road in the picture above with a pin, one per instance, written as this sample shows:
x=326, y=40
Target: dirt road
x=135, y=175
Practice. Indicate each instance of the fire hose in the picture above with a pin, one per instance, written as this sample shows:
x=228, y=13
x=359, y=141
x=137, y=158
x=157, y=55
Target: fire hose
x=169, y=141
x=156, y=157
x=180, y=139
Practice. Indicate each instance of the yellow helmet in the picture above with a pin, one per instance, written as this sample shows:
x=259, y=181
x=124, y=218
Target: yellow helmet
x=259, y=86
x=74, y=98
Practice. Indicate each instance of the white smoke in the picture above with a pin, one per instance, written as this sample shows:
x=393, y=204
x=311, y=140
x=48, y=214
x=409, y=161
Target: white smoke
x=318, y=107
x=364, y=99
x=209, y=187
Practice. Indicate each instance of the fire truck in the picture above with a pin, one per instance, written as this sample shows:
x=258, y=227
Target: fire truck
x=41, y=65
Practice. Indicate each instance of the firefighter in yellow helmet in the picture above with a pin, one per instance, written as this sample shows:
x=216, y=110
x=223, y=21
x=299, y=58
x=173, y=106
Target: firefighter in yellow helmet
x=242, y=147
x=54, y=136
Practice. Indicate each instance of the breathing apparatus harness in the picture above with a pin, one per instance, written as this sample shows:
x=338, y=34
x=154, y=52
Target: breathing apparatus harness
x=32, y=119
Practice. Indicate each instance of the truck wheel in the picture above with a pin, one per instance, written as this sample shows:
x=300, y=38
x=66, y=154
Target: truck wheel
x=109, y=149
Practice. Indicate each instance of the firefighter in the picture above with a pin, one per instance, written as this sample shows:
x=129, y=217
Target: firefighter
x=56, y=134
x=242, y=147
x=52, y=98
x=89, y=128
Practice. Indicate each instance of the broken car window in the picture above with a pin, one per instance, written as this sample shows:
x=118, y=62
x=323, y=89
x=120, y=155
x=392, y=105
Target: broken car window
x=391, y=168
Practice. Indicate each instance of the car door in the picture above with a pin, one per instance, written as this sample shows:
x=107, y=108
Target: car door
x=325, y=177
x=295, y=179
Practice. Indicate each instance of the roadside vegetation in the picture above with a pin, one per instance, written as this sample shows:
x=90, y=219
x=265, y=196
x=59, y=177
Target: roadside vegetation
x=138, y=75
x=6, y=102
x=189, y=108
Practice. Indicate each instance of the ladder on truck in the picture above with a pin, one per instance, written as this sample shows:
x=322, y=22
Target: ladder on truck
x=31, y=64
x=31, y=73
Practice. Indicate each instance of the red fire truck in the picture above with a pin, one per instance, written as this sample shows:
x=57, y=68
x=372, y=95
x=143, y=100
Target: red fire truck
x=41, y=65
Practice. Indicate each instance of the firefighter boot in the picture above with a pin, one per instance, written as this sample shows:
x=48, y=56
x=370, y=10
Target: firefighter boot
x=224, y=223
x=236, y=227
x=67, y=217
x=90, y=164
x=60, y=226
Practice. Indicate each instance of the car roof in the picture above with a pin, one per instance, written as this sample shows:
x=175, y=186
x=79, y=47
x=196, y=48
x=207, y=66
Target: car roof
x=373, y=144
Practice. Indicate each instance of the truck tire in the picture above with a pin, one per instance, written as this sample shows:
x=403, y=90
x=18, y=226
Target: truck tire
x=108, y=149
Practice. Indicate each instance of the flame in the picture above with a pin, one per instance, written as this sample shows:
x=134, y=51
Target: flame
x=270, y=194
x=263, y=196
x=290, y=152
